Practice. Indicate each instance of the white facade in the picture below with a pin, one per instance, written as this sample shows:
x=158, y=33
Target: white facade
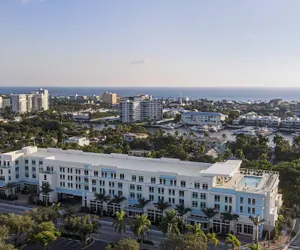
x=19, y=103
x=139, y=109
x=223, y=186
x=202, y=118
x=257, y=120
x=290, y=122
x=40, y=100
x=6, y=102
x=81, y=141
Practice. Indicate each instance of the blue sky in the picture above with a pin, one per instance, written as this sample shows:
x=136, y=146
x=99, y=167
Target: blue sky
x=150, y=43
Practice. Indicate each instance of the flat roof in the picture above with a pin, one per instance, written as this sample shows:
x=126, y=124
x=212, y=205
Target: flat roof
x=124, y=161
x=202, y=113
x=227, y=168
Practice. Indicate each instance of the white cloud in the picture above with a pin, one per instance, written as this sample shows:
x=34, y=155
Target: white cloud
x=140, y=61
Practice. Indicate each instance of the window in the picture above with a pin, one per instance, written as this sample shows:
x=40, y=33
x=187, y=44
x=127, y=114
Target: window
x=162, y=181
x=139, y=195
x=249, y=210
x=203, y=196
x=217, y=207
x=226, y=208
x=17, y=176
x=226, y=199
x=17, y=169
x=229, y=209
x=40, y=162
x=151, y=197
x=120, y=193
x=121, y=176
x=253, y=210
x=132, y=195
x=248, y=229
x=241, y=209
x=241, y=199
x=111, y=184
x=195, y=195
x=86, y=188
x=132, y=187
x=249, y=201
x=141, y=178
x=153, y=180
x=230, y=200
x=86, y=172
x=133, y=178
x=95, y=173
x=16, y=162
x=26, y=168
x=113, y=175
x=94, y=189
x=194, y=204
x=139, y=188
x=26, y=174
x=205, y=186
x=26, y=161
x=239, y=228
x=217, y=198
x=253, y=201
x=197, y=185
x=202, y=204
x=33, y=176
x=181, y=202
x=33, y=169
x=45, y=177
x=120, y=185
x=181, y=193
x=182, y=184
x=93, y=182
x=33, y=162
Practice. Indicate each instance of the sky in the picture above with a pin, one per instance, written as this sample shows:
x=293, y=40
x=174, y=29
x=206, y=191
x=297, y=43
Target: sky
x=209, y=43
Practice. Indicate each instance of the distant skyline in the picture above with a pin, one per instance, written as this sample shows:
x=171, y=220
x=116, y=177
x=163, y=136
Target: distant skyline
x=149, y=43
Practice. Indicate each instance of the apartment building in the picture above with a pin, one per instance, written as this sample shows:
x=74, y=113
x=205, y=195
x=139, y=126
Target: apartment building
x=224, y=186
x=257, y=120
x=22, y=103
x=202, y=118
x=290, y=123
x=109, y=98
x=140, y=108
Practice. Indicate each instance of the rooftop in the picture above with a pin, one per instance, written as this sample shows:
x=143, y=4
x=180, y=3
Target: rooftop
x=226, y=169
x=202, y=113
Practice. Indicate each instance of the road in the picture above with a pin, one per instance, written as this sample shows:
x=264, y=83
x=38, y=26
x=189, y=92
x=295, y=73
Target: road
x=295, y=243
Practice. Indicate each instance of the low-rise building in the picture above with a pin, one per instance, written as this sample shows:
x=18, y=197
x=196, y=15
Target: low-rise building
x=224, y=186
x=133, y=136
x=202, y=118
x=81, y=141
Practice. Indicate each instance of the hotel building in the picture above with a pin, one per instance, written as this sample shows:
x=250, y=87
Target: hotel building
x=202, y=118
x=224, y=186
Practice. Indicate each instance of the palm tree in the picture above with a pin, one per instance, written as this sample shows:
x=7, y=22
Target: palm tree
x=212, y=240
x=182, y=210
x=10, y=186
x=46, y=190
x=170, y=223
x=162, y=206
x=196, y=230
x=296, y=141
x=229, y=217
x=256, y=222
x=119, y=223
x=117, y=199
x=143, y=202
x=254, y=246
x=103, y=199
x=233, y=241
x=56, y=208
x=141, y=226
x=278, y=139
x=209, y=213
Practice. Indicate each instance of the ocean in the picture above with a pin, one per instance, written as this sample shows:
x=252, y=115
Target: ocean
x=238, y=94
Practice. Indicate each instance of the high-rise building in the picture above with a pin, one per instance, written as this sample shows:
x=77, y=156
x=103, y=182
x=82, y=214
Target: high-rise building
x=6, y=102
x=40, y=100
x=19, y=103
x=109, y=98
x=140, y=108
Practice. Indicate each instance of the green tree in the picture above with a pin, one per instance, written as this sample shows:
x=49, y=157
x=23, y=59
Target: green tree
x=4, y=235
x=212, y=240
x=170, y=223
x=44, y=234
x=125, y=244
x=141, y=226
x=256, y=222
x=17, y=225
x=46, y=190
x=173, y=151
x=143, y=202
x=210, y=213
x=296, y=141
x=233, y=241
x=162, y=206
x=182, y=210
x=103, y=199
x=184, y=241
x=239, y=154
x=119, y=223
x=229, y=217
x=254, y=246
x=196, y=230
